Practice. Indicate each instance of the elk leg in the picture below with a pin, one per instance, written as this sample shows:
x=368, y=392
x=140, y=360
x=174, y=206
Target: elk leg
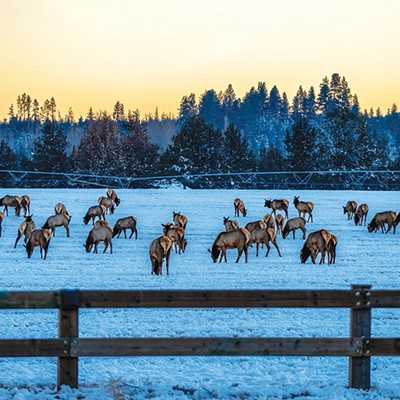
x=246, y=253
x=119, y=234
x=18, y=237
x=167, y=260
x=125, y=233
x=294, y=235
x=131, y=233
x=268, y=247
x=41, y=252
x=240, y=251
x=67, y=229
x=222, y=254
x=105, y=246
x=304, y=232
x=257, y=249
x=276, y=246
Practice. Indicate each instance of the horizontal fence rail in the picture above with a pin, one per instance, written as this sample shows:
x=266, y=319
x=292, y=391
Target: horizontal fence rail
x=68, y=347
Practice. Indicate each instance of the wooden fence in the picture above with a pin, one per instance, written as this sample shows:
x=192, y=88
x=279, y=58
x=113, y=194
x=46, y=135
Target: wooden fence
x=68, y=347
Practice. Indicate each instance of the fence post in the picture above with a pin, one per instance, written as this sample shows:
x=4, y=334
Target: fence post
x=67, y=370
x=360, y=327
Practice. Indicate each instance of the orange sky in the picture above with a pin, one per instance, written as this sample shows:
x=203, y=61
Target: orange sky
x=151, y=53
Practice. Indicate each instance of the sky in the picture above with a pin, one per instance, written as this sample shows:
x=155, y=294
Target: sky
x=150, y=53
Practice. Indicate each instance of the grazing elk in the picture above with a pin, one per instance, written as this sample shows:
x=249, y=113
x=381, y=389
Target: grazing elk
x=111, y=194
x=317, y=242
x=269, y=220
x=25, y=229
x=179, y=219
x=277, y=205
x=123, y=224
x=361, y=214
x=382, y=218
x=41, y=238
x=230, y=225
x=280, y=219
x=264, y=236
x=26, y=204
x=350, y=208
x=160, y=250
x=177, y=236
x=239, y=239
x=107, y=203
x=256, y=225
x=101, y=232
x=11, y=201
x=1, y=222
x=293, y=224
x=60, y=208
x=93, y=212
x=304, y=208
x=239, y=207
x=57, y=220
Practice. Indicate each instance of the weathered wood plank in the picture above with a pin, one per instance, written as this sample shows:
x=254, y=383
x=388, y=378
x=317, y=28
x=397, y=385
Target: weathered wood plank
x=383, y=347
x=33, y=348
x=214, y=347
x=33, y=300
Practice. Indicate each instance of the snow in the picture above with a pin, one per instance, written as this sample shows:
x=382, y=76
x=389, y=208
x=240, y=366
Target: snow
x=362, y=258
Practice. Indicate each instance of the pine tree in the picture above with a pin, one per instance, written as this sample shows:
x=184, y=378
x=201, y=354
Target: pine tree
x=210, y=109
x=8, y=158
x=323, y=97
x=187, y=109
x=230, y=106
x=271, y=160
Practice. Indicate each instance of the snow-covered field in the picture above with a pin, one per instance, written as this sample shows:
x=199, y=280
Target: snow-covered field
x=362, y=258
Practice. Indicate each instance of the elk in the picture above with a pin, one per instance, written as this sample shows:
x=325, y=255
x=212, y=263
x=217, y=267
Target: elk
x=256, y=225
x=331, y=249
x=93, y=212
x=293, y=224
x=160, y=250
x=304, y=208
x=350, y=208
x=280, y=219
x=11, y=201
x=123, y=224
x=41, y=238
x=26, y=204
x=111, y=194
x=361, y=214
x=107, y=203
x=317, y=242
x=57, y=220
x=60, y=208
x=277, y=205
x=177, y=236
x=99, y=233
x=230, y=225
x=239, y=239
x=1, y=222
x=382, y=218
x=264, y=236
x=179, y=219
x=269, y=220
x=239, y=207
x=25, y=229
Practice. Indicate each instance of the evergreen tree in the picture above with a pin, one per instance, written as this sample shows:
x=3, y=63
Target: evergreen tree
x=323, y=97
x=210, y=109
x=274, y=104
x=187, y=109
x=8, y=158
x=230, y=106
x=271, y=160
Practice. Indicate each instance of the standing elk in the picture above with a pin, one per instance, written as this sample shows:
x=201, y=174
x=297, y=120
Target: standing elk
x=112, y=194
x=177, y=236
x=93, y=212
x=280, y=219
x=256, y=225
x=230, y=225
x=25, y=229
x=57, y=220
x=382, y=218
x=123, y=224
x=101, y=232
x=107, y=203
x=293, y=224
x=264, y=236
x=350, y=208
x=239, y=239
x=179, y=219
x=26, y=204
x=304, y=208
x=361, y=214
x=317, y=242
x=41, y=238
x=160, y=250
x=11, y=201
x=239, y=207
x=277, y=205
x=60, y=208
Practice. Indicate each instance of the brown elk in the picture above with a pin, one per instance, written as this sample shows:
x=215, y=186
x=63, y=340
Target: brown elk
x=11, y=201
x=57, y=220
x=1, y=222
x=280, y=220
x=361, y=214
x=123, y=224
x=317, y=242
x=331, y=249
x=41, y=238
x=256, y=225
x=350, y=208
x=177, y=236
x=293, y=224
x=93, y=212
x=230, y=225
x=112, y=194
x=277, y=205
x=269, y=220
x=179, y=219
x=60, y=208
x=25, y=229
x=239, y=207
x=239, y=239
x=382, y=218
x=160, y=250
x=99, y=233
x=26, y=204
x=304, y=208
x=264, y=236
x=107, y=203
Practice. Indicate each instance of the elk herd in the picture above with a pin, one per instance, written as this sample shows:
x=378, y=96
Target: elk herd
x=262, y=232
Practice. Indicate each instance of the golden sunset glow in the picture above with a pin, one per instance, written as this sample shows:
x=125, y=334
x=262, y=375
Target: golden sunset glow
x=149, y=54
